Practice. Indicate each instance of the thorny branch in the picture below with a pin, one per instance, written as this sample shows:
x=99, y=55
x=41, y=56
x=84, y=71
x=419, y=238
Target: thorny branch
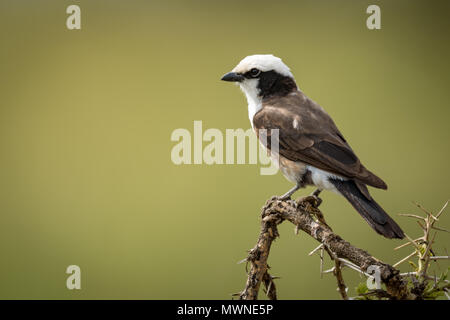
x=306, y=217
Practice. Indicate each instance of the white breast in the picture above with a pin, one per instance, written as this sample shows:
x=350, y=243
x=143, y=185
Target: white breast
x=253, y=108
x=250, y=89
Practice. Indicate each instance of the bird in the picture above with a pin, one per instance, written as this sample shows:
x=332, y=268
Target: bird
x=311, y=149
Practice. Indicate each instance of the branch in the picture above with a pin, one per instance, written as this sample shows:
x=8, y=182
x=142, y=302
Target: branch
x=340, y=280
x=301, y=215
x=257, y=257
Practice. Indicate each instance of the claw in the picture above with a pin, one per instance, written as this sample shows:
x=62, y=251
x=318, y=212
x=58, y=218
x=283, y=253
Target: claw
x=313, y=200
x=318, y=201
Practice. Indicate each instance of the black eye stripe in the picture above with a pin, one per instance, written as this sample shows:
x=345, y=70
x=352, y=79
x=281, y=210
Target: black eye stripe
x=272, y=83
x=253, y=73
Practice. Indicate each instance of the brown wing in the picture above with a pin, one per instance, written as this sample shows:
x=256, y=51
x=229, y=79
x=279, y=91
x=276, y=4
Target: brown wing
x=308, y=134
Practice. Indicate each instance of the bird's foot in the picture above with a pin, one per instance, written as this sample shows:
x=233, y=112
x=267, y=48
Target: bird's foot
x=311, y=200
x=315, y=195
x=318, y=201
x=314, y=201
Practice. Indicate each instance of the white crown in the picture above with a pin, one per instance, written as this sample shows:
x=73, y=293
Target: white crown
x=263, y=62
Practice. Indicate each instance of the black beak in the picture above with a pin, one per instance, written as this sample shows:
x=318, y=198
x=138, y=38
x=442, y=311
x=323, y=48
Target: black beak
x=233, y=77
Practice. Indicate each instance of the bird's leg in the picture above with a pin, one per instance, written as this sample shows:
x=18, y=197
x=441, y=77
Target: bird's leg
x=288, y=194
x=315, y=194
x=313, y=198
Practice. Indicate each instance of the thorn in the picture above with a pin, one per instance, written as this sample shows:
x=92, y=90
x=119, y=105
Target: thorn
x=440, y=229
x=404, y=259
x=412, y=241
x=421, y=226
x=411, y=216
x=442, y=210
x=321, y=263
x=406, y=244
x=319, y=247
x=329, y=270
x=421, y=208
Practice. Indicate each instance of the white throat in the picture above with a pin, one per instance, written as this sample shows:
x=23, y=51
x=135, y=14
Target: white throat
x=249, y=87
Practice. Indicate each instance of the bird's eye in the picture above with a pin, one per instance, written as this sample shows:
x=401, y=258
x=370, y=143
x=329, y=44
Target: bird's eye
x=255, y=72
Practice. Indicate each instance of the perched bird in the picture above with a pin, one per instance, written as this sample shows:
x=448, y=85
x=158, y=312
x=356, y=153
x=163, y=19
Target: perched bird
x=311, y=150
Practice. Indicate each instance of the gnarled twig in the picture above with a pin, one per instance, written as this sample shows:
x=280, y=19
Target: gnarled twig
x=301, y=215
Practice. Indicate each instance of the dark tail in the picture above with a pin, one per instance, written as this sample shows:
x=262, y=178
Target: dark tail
x=375, y=216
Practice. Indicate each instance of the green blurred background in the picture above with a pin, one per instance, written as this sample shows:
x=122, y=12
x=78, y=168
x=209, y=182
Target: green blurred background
x=86, y=117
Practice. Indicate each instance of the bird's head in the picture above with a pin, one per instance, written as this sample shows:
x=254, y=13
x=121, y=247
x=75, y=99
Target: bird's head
x=261, y=76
